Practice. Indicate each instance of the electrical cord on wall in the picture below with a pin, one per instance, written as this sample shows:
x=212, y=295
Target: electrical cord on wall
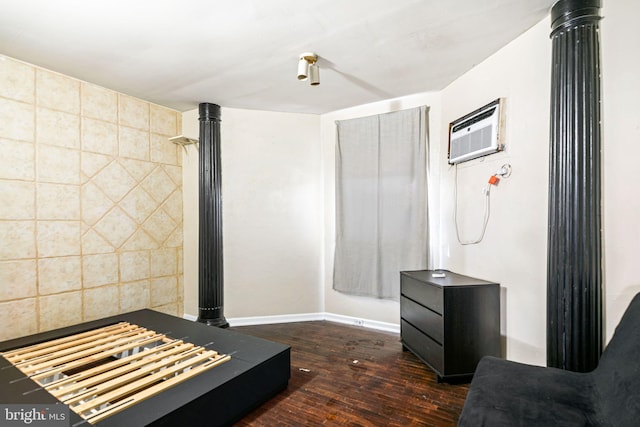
x=505, y=172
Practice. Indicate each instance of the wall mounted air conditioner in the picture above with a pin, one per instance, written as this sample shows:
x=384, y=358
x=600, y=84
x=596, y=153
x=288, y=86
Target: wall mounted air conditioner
x=476, y=134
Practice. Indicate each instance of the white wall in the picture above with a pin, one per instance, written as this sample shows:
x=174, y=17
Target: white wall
x=513, y=251
x=278, y=184
x=337, y=302
x=621, y=151
x=272, y=213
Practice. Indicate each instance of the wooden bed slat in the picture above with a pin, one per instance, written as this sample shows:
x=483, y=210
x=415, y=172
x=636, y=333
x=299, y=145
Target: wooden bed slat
x=139, y=384
x=96, y=357
x=155, y=389
x=72, y=349
x=111, y=368
x=120, y=343
x=141, y=369
x=69, y=346
x=9, y=355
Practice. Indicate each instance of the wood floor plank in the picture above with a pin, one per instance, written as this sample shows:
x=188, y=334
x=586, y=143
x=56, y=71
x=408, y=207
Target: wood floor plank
x=348, y=375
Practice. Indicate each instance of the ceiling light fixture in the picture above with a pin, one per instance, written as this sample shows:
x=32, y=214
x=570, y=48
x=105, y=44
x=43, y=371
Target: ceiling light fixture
x=308, y=68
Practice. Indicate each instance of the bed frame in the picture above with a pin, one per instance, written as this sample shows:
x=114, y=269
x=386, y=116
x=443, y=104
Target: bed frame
x=231, y=373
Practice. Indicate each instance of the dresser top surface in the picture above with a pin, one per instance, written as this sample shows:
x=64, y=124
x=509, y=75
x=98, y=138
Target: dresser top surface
x=449, y=279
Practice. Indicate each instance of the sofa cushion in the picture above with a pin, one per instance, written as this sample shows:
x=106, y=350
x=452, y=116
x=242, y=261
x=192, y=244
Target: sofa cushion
x=504, y=393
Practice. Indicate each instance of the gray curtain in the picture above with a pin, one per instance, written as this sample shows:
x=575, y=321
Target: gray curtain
x=381, y=202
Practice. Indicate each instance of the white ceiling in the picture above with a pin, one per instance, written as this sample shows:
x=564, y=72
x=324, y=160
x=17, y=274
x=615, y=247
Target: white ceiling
x=243, y=53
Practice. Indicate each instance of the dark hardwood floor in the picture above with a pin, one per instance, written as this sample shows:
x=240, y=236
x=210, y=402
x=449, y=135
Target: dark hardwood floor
x=348, y=375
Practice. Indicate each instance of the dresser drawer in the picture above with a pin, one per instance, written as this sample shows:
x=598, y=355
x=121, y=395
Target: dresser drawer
x=422, y=346
x=428, y=295
x=425, y=320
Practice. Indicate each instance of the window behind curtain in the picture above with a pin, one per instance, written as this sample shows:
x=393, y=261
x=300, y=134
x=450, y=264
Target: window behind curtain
x=381, y=202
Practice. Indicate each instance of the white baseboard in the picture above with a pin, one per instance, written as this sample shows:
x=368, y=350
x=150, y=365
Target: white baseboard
x=307, y=317
x=268, y=320
x=366, y=323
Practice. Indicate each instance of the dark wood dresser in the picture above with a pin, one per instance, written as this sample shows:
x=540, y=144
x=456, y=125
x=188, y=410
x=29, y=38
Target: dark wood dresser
x=449, y=322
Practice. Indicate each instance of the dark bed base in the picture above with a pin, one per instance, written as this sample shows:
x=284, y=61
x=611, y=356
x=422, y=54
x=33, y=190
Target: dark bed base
x=258, y=370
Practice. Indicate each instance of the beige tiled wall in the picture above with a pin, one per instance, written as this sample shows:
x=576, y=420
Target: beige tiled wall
x=90, y=202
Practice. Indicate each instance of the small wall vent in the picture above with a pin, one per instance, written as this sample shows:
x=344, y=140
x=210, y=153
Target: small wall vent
x=476, y=134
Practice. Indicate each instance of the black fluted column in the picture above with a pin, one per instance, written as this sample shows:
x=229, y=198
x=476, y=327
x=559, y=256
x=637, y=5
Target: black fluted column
x=574, y=269
x=211, y=274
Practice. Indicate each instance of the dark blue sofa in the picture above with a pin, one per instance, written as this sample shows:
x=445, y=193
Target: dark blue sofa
x=505, y=393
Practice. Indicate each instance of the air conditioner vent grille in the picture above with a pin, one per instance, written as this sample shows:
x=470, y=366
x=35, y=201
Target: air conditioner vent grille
x=476, y=134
